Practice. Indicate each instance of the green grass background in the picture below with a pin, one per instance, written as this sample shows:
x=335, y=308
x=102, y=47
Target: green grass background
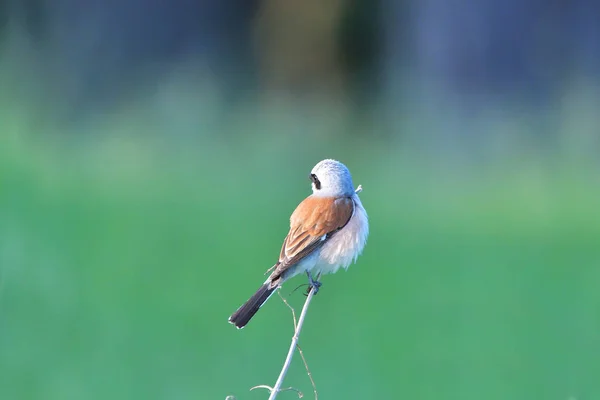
x=123, y=253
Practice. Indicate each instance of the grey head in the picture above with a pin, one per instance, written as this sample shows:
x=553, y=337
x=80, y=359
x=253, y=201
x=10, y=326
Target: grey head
x=331, y=178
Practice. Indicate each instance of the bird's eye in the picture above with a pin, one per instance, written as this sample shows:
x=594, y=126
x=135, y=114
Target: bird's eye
x=316, y=181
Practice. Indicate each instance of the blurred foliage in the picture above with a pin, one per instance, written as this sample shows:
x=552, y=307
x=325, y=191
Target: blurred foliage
x=122, y=256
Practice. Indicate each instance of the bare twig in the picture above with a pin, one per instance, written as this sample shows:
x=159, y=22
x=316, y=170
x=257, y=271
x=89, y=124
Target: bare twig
x=290, y=307
x=312, y=381
x=288, y=360
x=270, y=389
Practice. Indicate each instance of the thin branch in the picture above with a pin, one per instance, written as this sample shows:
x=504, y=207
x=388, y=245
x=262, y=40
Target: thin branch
x=290, y=307
x=312, y=381
x=277, y=388
x=270, y=389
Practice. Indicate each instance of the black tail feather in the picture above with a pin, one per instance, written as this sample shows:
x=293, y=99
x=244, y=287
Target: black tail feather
x=245, y=313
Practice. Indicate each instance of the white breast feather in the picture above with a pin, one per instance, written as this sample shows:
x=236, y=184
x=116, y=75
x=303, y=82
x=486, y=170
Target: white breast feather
x=347, y=244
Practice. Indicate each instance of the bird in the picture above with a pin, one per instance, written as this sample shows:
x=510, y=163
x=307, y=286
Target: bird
x=328, y=231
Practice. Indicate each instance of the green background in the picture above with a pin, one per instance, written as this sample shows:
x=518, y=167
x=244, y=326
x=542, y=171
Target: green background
x=123, y=254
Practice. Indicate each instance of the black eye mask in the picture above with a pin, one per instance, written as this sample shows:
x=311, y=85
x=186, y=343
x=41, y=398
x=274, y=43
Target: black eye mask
x=316, y=181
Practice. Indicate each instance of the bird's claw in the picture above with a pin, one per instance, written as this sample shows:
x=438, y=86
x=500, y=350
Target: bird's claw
x=313, y=284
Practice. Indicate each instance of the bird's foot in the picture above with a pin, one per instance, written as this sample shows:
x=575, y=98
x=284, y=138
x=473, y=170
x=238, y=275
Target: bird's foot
x=312, y=284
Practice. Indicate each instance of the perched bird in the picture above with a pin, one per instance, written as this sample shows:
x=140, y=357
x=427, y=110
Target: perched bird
x=328, y=230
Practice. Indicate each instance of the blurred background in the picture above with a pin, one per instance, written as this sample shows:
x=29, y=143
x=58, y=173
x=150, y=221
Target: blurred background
x=152, y=151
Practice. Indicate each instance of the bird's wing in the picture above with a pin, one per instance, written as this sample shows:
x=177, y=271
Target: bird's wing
x=314, y=221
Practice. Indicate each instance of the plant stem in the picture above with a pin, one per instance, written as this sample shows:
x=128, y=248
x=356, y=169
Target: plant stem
x=288, y=360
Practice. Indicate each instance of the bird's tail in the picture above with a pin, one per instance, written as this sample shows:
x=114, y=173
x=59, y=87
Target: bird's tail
x=245, y=313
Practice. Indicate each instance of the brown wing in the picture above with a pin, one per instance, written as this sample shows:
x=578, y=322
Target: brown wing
x=313, y=222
